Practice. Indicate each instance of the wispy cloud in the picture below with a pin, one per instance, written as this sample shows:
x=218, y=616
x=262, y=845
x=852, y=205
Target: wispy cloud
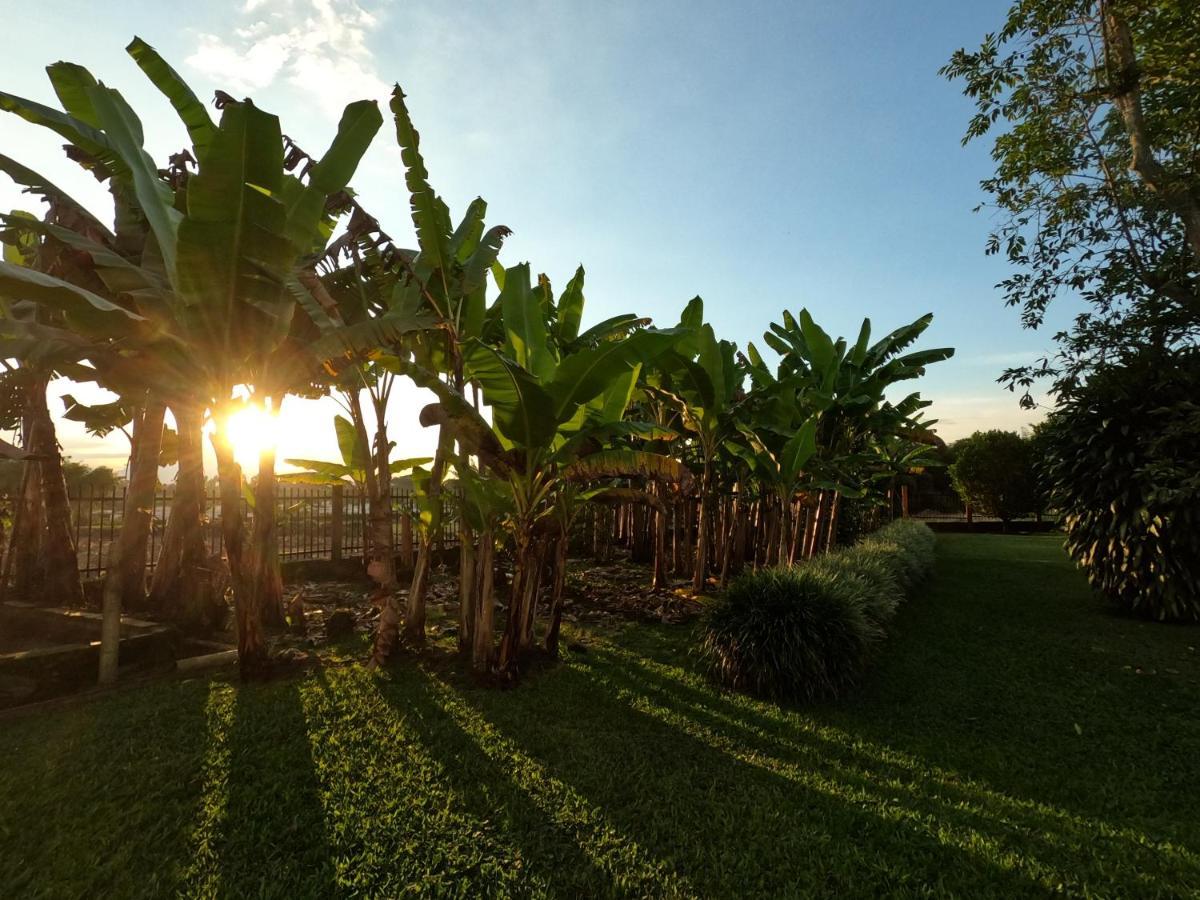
x=317, y=46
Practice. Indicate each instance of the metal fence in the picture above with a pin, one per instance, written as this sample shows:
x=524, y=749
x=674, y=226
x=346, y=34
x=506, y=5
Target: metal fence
x=947, y=506
x=312, y=523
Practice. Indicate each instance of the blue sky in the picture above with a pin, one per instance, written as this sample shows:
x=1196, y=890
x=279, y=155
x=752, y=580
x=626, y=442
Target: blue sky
x=763, y=155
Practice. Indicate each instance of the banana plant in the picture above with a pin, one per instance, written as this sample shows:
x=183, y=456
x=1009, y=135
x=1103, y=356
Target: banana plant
x=353, y=468
x=222, y=241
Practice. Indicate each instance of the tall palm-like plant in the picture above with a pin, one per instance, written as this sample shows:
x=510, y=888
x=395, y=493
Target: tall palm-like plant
x=224, y=241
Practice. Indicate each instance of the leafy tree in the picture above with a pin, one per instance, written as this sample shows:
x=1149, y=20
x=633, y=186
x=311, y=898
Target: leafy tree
x=993, y=471
x=1095, y=110
x=1123, y=456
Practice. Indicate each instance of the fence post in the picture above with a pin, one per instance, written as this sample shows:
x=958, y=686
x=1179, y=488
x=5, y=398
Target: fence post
x=406, y=537
x=337, y=523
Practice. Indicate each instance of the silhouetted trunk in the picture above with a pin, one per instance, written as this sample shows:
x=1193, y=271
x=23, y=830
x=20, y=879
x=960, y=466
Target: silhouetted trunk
x=183, y=587
x=264, y=571
x=556, y=593
x=700, y=564
x=60, y=581
x=252, y=647
x=831, y=530
x=125, y=584
x=25, y=544
x=414, y=621
x=129, y=564
x=513, y=625
x=485, y=610
x=661, y=581
x=466, y=585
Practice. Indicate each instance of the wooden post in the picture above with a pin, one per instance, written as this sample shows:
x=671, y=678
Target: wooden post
x=337, y=523
x=406, y=540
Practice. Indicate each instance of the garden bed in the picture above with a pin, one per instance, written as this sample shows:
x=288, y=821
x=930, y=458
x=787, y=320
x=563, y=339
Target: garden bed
x=49, y=652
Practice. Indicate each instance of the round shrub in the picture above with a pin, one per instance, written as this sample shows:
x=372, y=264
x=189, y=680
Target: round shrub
x=1123, y=461
x=874, y=571
x=798, y=633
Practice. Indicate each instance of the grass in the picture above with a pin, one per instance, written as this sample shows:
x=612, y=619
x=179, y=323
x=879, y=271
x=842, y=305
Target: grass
x=1013, y=739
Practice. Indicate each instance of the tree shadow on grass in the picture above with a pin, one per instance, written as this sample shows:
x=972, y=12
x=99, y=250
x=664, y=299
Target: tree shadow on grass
x=272, y=838
x=532, y=835
x=732, y=826
x=1054, y=845
x=99, y=813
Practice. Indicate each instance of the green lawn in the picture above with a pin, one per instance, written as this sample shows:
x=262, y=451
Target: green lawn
x=1014, y=738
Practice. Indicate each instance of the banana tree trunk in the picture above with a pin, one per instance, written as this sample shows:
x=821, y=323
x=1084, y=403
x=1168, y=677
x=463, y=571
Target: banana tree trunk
x=183, y=587
x=485, y=611
x=25, y=544
x=831, y=530
x=820, y=517
x=733, y=530
x=130, y=560
x=533, y=587
x=661, y=580
x=414, y=621
x=466, y=586
x=252, y=646
x=264, y=543
x=510, y=642
x=556, y=593
x=61, y=583
x=125, y=584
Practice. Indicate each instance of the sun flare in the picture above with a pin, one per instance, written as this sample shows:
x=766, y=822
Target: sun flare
x=252, y=430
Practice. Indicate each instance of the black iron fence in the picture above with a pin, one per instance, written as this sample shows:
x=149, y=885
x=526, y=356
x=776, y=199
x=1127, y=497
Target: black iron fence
x=312, y=523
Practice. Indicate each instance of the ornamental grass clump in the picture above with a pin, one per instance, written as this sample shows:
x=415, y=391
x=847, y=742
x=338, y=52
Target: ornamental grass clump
x=806, y=632
x=788, y=634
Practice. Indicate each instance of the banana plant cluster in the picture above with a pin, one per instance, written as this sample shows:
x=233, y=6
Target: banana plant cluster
x=243, y=266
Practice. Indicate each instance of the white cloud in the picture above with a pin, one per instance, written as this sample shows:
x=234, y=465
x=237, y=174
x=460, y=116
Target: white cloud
x=317, y=46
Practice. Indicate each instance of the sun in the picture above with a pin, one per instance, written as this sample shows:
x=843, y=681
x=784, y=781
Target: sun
x=252, y=430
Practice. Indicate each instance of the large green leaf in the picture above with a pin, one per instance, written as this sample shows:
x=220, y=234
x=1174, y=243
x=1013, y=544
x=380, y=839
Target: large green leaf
x=37, y=184
x=349, y=444
x=119, y=275
x=522, y=410
x=799, y=449
x=585, y=374
x=627, y=464
x=611, y=329
x=233, y=259
x=359, y=124
x=71, y=83
x=154, y=195
x=191, y=111
x=893, y=343
x=93, y=142
x=465, y=238
x=524, y=326
x=369, y=337
x=319, y=472
x=429, y=215
x=482, y=260
x=570, y=308
x=100, y=316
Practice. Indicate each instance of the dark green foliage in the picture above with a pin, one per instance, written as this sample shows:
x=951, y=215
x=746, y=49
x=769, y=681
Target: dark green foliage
x=797, y=633
x=994, y=472
x=1124, y=459
x=1094, y=111
x=805, y=632
x=958, y=770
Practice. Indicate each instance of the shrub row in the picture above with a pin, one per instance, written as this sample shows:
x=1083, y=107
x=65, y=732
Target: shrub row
x=805, y=632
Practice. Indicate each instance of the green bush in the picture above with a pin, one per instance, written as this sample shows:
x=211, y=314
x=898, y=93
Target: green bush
x=805, y=632
x=1123, y=460
x=994, y=472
